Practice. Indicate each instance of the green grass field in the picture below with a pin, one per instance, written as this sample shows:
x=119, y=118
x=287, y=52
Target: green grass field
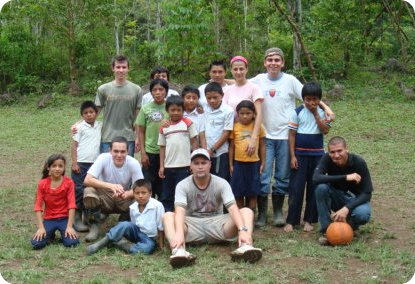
x=376, y=119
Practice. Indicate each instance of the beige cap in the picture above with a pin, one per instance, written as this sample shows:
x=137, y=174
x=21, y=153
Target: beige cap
x=200, y=152
x=274, y=51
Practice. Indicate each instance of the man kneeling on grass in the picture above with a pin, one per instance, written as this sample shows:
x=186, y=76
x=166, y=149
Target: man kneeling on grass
x=198, y=215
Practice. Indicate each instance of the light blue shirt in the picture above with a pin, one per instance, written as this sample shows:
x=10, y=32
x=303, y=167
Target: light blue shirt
x=150, y=220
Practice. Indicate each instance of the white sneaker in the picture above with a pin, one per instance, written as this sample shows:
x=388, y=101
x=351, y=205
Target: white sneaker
x=180, y=258
x=246, y=253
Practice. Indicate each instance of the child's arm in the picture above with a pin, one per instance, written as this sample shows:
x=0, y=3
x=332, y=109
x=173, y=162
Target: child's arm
x=231, y=155
x=193, y=143
x=202, y=140
x=257, y=126
x=160, y=239
x=74, y=154
x=41, y=232
x=291, y=144
x=262, y=154
x=328, y=112
x=222, y=139
x=162, y=156
x=321, y=123
x=70, y=232
x=141, y=133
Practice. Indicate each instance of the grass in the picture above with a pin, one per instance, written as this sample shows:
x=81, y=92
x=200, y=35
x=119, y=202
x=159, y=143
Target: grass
x=373, y=116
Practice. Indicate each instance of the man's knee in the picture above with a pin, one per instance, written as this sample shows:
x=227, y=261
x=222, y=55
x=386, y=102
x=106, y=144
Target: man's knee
x=322, y=190
x=247, y=213
x=91, y=198
x=168, y=218
x=361, y=214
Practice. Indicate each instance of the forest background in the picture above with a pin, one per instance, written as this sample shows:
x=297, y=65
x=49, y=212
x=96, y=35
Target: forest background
x=66, y=46
x=62, y=50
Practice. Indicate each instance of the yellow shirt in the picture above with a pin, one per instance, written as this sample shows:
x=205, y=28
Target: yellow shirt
x=241, y=135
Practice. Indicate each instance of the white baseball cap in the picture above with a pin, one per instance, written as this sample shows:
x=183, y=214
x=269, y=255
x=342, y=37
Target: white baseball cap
x=200, y=152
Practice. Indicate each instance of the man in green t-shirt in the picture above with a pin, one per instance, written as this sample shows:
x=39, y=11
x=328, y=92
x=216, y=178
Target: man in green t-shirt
x=120, y=101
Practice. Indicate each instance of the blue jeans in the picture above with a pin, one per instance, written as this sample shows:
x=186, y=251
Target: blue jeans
x=328, y=198
x=142, y=243
x=106, y=146
x=276, y=151
x=78, y=179
x=50, y=227
x=172, y=176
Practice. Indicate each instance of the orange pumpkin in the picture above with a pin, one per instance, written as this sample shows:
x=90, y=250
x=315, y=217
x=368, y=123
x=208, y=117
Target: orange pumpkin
x=339, y=233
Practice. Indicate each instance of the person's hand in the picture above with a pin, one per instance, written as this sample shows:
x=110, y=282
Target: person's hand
x=340, y=215
x=117, y=189
x=354, y=177
x=145, y=161
x=137, y=147
x=74, y=128
x=294, y=163
x=40, y=234
x=250, y=149
x=161, y=172
x=70, y=232
x=244, y=237
x=231, y=169
x=330, y=116
x=261, y=168
x=165, y=123
x=178, y=241
x=199, y=109
x=75, y=168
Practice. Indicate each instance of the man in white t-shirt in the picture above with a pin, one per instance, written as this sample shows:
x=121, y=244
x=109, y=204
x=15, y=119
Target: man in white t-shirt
x=199, y=218
x=108, y=183
x=280, y=90
x=217, y=73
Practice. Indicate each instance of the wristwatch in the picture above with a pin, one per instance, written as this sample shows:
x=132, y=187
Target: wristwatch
x=243, y=228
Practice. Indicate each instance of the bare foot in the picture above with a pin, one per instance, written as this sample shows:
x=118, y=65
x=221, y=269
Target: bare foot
x=288, y=228
x=308, y=227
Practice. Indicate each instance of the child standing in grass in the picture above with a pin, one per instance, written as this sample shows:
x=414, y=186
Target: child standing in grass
x=246, y=169
x=191, y=97
x=307, y=127
x=148, y=126
x=55, y=205
x=85, y=150
x=176, y=142
x=140, y=234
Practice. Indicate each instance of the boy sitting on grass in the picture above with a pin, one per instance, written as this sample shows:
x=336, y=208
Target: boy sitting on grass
x=139, y=235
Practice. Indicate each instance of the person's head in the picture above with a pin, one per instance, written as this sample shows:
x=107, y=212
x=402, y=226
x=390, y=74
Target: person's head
x=217, y=71
x=175, y=108
x=89, y=111
x=119, y=150
x=214, y=94
x=190, y=95
x=274, y=61
x=338, y=151
x=160, y=73
x=120, y=67
x=200, y=163
x=54, y=166
x=159, y=89
x=142, y=191
x=239, y=68
x=311, y=94
x=246, y=112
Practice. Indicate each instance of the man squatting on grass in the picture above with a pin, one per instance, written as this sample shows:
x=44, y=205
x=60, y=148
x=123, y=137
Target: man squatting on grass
x=344, y=187
x=198, y=215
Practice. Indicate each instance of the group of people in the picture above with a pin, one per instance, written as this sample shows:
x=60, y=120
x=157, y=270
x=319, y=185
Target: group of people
x=207, y=158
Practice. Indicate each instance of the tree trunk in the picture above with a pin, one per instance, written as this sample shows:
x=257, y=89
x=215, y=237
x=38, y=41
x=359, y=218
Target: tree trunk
x=298, y=33
x=74, y=88
x=296, y=14
x=216, y=21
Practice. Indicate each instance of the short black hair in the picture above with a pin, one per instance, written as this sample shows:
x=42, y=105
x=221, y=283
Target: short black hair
x=245, y=103
x=158, y=70
x=119, y=58
x=174, y=100
x=214, y=87
x=160, y=82
x=311, y=89
x=337, y=140
x=119, y=139
x=190, y=89
x=142, y=183
x=88, y=104
x=220, y=62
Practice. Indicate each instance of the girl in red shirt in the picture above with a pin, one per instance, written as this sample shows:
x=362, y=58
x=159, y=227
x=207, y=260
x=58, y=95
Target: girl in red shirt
x=55, y=205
